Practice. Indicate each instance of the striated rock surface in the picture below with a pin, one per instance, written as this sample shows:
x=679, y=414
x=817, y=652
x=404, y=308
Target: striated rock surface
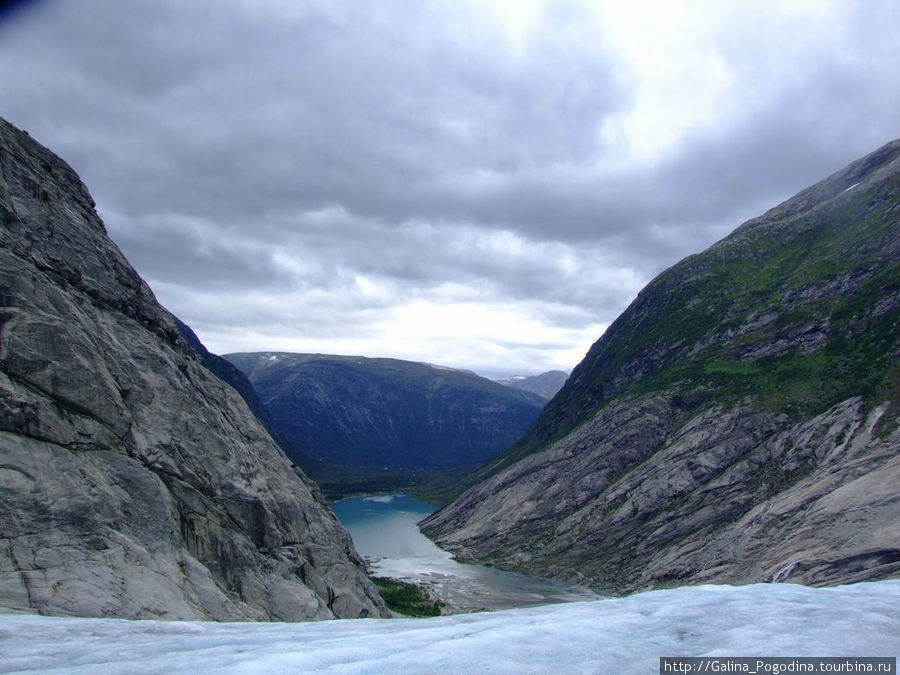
x=133, y=482
x=228, y=373
x=737, y=423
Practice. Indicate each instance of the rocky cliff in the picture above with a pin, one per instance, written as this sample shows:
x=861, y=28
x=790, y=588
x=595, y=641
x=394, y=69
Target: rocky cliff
x=229, y=374
x=133, y=482
x=737, y=423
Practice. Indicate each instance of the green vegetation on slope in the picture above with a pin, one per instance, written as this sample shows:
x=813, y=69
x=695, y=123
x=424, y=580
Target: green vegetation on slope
x=378, y=416
x=406, y=598
x=435, y=486
x=796, y=311
x=730, y=426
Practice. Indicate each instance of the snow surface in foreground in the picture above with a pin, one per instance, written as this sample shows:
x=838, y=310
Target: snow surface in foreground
x=620, y=635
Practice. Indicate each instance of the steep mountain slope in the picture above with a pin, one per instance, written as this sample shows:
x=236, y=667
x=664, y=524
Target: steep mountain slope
x=133, y=482
x=738, y=422
x=225, y=371
x=546, y=385
x=362, y=412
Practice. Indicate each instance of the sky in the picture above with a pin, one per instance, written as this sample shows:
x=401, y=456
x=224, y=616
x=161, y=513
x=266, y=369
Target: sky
x=483, y=184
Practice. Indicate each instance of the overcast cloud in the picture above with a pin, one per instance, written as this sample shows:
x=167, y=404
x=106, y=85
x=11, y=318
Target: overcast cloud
x=477, y=184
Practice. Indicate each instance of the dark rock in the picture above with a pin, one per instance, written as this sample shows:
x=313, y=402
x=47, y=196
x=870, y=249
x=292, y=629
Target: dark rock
x=385, y=413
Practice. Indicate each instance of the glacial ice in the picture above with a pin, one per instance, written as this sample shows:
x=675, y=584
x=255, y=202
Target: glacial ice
x=618, y=635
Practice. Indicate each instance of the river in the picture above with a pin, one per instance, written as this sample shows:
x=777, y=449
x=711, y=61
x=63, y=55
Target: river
x=385, y=532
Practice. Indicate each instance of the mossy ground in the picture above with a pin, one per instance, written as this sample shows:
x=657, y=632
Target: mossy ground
x=406, y=598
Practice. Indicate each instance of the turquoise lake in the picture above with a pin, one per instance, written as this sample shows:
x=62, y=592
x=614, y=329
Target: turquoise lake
x=385, y=532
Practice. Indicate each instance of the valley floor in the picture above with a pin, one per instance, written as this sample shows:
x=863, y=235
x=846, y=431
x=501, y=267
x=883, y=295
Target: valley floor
x=620, y=635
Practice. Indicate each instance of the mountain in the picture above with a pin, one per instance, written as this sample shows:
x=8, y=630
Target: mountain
x=133, y=482
x=545, y=385
x=384, y=414
x=737, y=423
x=225, y=371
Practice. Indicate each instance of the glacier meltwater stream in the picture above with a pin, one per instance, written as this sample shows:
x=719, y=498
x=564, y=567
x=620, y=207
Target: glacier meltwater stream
x=384, y=530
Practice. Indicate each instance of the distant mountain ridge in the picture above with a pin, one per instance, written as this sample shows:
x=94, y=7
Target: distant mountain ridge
x=737, y=423
x=545, y=385
x=361, y=412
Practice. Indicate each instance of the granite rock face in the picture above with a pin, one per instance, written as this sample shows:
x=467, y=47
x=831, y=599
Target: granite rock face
x=631, y=502
x=133, y=482
x=229, y=374
x=737, y=423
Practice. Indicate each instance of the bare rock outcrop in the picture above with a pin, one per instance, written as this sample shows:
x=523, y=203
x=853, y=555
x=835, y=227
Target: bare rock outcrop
x=636, y=499
x=133, y=482
x=737, y=423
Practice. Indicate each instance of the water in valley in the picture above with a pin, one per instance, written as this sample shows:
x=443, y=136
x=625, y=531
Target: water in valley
x=384, y=531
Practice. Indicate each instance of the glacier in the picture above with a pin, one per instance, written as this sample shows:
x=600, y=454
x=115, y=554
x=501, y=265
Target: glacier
x=615, y=635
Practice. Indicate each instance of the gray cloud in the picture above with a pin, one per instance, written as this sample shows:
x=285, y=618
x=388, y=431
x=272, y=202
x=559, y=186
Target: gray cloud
x=325, y=163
